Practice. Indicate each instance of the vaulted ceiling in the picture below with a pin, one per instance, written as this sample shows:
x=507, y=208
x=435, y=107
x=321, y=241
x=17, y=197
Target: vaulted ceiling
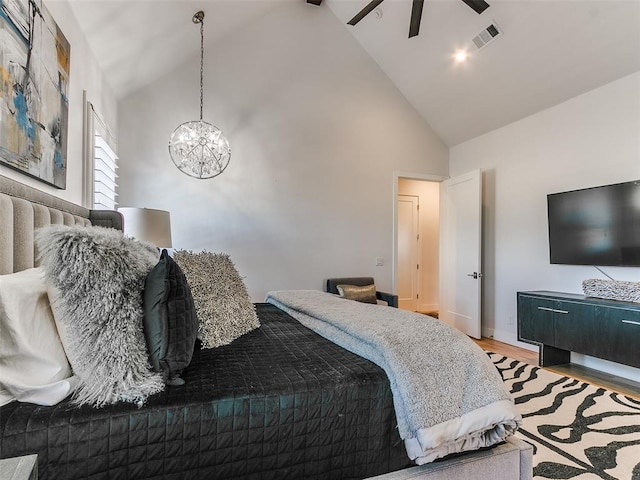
x=549, y=50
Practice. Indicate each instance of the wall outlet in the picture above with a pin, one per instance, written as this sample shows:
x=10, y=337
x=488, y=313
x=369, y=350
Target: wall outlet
x=379, y=261
x=510, y=320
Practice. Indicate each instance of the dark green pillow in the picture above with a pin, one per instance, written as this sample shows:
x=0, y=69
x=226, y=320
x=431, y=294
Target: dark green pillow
x=170, y=322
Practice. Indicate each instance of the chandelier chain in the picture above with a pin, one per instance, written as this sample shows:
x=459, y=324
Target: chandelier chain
x=201, y=66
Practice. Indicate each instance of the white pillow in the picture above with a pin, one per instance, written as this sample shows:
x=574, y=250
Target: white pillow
x=33, y=364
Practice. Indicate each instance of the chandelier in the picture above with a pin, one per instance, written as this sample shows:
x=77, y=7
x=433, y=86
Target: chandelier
x=198, y=148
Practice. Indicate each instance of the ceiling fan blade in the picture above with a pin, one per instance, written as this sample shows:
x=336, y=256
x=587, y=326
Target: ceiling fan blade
x=478, y=5
x=314, y=2
x=416, y=16
x=364, y=12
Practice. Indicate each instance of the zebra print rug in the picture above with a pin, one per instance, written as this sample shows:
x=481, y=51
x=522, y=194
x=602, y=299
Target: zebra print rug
x=578, y=431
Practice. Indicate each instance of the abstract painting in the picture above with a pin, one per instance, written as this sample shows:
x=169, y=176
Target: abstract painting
x=34, y=83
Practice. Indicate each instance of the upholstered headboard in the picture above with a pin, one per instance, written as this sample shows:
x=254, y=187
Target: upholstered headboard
x=23, y=209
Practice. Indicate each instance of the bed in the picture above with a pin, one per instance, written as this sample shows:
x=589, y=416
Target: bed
x=279, y=402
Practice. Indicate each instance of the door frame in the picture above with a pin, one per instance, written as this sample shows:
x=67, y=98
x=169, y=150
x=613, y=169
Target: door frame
x=397, y=176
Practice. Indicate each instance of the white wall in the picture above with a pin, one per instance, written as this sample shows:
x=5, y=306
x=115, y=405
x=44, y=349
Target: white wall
x=85, y=76
x=429, y=228
x=316, y=131
x=593, y=139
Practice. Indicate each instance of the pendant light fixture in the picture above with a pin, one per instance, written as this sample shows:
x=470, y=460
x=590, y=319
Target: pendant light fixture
x=198, y=148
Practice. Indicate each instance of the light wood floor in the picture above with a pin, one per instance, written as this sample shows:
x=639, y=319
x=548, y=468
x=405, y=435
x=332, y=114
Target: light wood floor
x=594, y=377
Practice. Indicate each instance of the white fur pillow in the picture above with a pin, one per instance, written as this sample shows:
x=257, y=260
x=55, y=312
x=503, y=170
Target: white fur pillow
x=33, y=364
x=612, y=289
x=223, y=306
x=97, y=276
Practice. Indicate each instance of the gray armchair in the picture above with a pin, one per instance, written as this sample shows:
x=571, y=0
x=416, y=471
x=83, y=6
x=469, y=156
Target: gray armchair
x=332, y=284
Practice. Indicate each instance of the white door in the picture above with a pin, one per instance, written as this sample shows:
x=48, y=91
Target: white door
x=408, y=252
x=460, y=252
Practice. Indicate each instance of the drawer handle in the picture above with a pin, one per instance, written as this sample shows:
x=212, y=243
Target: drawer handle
x=631, y=322
x=547, y=309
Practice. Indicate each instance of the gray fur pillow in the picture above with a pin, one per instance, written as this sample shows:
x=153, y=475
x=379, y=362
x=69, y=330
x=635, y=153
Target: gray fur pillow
x=97, y=276
x=223, y=306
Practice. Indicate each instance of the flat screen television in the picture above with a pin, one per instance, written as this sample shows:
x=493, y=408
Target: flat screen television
x=596, y=226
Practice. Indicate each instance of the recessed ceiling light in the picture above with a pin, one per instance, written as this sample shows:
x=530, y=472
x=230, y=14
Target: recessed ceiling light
x=461, y=56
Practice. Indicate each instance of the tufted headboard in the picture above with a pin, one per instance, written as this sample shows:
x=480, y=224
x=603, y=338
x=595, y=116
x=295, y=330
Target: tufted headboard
x=23, y=209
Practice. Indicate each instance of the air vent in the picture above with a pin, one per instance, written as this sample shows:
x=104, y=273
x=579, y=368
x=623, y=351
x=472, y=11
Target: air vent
x=486, y=36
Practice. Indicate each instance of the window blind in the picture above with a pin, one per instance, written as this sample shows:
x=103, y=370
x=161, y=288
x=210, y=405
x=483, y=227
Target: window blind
x=104, y=175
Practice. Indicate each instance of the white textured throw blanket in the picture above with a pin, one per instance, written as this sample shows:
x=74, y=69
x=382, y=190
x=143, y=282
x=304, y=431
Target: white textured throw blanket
x=447, y=394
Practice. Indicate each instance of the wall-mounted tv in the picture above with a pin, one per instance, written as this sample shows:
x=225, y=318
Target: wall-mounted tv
x=596, y=226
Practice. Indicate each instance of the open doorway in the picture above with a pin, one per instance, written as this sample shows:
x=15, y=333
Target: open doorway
x=417, y=204
x=451, y=283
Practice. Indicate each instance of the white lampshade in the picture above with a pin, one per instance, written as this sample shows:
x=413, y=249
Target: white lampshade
x=147, y=224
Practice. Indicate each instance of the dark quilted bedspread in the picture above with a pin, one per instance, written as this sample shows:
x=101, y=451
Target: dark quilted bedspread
x=278, y=403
